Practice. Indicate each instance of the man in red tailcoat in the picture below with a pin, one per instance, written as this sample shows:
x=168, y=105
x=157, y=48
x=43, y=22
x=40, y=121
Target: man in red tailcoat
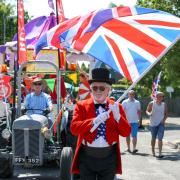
x=98, y=122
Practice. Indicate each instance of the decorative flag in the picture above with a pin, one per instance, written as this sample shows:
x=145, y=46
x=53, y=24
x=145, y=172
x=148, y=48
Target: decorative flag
x=84, y=90
x=131, y=40
x=60, y=11
x=60, y=18
x=21, y=33
x=73, y=77
x=155, y=85
x=53, y=94
x=36, y=28
x=50, y=83
x=62, y=63
x=28, y=81
x=58, y=121
x=5, y=86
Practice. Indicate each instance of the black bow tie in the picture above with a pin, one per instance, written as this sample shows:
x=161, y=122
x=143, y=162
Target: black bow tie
x=102, y=105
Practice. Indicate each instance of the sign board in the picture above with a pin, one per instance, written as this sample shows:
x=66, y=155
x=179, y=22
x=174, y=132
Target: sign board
x=169, y=89
x=5, y=89
x=45, y=54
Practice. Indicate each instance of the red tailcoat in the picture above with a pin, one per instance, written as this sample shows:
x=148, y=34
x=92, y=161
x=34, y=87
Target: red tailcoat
x=84, y=114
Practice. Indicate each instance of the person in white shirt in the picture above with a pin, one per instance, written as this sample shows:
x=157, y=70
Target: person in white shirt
x=132, y=109
x=97, y=155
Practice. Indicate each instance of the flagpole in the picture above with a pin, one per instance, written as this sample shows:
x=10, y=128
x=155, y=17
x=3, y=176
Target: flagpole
x=138, y=79
x=14, y=89
x=59, y=62
x=57, y=21
x=13, y=115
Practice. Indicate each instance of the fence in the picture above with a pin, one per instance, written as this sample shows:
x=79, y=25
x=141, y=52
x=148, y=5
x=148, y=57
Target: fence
x=172, y=104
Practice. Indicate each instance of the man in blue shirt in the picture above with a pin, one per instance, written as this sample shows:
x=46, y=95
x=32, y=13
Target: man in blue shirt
x=38, y=102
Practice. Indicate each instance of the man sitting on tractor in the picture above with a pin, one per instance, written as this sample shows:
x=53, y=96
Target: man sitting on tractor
x=38, y=102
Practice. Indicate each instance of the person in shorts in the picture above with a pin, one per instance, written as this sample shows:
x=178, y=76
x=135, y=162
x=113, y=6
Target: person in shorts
x=132, y=109
x=157, y=110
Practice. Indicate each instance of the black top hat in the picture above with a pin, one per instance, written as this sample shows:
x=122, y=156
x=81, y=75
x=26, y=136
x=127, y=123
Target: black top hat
x=100, y=75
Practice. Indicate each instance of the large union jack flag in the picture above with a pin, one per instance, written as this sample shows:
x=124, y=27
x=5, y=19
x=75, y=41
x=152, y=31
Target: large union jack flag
x=128, y=39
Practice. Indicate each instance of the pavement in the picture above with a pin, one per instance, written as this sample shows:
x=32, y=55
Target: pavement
x=172, y=123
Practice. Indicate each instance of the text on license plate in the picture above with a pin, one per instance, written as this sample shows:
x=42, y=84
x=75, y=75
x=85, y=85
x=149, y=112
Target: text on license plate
x=28, y=160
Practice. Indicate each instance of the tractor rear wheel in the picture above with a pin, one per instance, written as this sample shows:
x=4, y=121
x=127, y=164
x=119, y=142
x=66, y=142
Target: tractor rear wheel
x=65, y=163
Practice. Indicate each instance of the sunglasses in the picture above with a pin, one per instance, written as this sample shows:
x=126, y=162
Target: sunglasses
x=37, y=84
x=160, y=96
x=101, y=88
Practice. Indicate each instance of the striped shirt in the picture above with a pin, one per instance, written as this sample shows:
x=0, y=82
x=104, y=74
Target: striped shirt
x=37, y=102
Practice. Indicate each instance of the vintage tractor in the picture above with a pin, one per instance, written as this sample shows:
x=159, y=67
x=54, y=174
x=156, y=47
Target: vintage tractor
x=29, y=142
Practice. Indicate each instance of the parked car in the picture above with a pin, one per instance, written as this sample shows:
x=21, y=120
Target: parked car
x=117, y=93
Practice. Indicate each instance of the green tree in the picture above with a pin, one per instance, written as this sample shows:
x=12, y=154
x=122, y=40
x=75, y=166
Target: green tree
x=8, y=20
x=169, y=64
x=6, y=17
x=84, y=68
x=171, y=6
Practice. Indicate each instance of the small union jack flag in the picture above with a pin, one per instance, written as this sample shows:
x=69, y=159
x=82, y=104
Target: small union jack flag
x=155, y=85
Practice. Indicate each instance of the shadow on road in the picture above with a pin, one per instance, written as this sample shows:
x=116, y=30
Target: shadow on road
x=135, y=154
x=141, y=154
x=170, y=156
x=33, y=178
x=170, y=126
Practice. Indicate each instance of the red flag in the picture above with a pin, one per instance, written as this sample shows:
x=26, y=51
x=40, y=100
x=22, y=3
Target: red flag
x=21, y=33
x=84, y=90
x=53, y=94
x=28, y=82
x=61, y=18
x=5, y=86
x=60, y=11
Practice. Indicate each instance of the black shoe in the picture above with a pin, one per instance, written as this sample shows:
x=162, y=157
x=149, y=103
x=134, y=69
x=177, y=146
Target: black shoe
x=135, y=151
x=160, y=156
x=128, y=150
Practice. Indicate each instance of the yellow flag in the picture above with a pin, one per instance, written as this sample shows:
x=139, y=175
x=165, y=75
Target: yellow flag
x=73, y=77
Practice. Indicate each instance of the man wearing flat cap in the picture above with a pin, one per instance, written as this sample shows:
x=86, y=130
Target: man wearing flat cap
x=38, y=102
x=98, y=122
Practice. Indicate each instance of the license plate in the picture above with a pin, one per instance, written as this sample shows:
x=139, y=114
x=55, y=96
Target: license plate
x=20, y=160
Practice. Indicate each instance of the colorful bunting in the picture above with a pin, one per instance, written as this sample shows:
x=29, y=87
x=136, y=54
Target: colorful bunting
x=50, y=83
x=73, y=77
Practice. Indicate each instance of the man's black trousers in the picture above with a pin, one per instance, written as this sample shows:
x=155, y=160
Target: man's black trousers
x=95, y=168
